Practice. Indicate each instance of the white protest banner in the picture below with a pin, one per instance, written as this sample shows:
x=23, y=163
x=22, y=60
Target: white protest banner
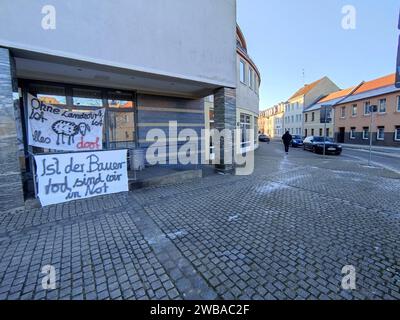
x=57, y=128
x=72, y=176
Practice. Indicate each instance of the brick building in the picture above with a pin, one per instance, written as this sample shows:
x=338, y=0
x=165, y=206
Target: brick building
x=353, y=117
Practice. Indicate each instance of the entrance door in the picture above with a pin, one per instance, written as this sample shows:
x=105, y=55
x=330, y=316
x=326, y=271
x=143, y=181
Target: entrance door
x=120, y=120
x=341, y=134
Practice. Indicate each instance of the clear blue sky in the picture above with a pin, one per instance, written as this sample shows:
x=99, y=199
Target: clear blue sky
x=286, y=36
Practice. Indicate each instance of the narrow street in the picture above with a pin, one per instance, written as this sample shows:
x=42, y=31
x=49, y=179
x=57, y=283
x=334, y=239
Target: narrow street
x=284, y=232
x=387, y=160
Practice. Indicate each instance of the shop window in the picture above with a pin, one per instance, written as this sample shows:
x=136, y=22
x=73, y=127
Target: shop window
x=245, y=127
x=87, y=98
x=120, y=100
x=49, y=94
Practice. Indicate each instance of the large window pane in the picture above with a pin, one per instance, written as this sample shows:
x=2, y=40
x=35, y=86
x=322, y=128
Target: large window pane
x=120, y=100
x=49, y=94
x=121, y=129
x=87, y=98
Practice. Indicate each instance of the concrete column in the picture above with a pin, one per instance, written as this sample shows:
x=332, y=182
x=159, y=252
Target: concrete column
x=225, y=118
x=11, y=190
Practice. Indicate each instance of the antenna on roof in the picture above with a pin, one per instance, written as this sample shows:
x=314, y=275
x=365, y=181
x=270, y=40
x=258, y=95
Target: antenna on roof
x=304, y=77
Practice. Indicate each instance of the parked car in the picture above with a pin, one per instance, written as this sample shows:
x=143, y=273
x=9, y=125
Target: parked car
x=297, y=141
x=264, y=138
x=317, y=144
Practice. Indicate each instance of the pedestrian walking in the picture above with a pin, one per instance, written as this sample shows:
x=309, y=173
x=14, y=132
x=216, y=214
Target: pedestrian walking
x=287, y=138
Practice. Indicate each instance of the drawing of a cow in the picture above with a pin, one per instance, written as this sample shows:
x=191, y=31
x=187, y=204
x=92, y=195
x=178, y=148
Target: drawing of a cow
x=69, y=129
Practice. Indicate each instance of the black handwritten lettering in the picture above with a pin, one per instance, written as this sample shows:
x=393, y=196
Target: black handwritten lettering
x=95, y=165
x=61, y=187
x=73, y=167
x=37, y=137
x=50, y=169
x=86, y=181
x=91, y=190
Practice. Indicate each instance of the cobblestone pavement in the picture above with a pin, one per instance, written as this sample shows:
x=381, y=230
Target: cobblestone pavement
x=284, y=232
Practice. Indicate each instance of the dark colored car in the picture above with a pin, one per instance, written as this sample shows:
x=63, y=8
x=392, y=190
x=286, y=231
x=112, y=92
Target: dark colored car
x=317, y=144
x=297, y=141
x=264, y=138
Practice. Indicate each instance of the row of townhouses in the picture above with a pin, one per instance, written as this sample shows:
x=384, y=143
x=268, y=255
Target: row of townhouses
x=321, y=108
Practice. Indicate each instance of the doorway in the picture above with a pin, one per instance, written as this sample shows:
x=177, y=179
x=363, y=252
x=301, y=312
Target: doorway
x=341, y=134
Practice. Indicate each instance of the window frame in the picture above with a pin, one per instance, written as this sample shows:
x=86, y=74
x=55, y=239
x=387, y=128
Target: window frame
x=354, y=107
x=380, y=105
x=378, y=132
x=367, y=103
x=398, y=104
x=343, y=112
x=363, y=133
x=107, y=143
x=397, y=133
x=353, y=133
x=242, y=72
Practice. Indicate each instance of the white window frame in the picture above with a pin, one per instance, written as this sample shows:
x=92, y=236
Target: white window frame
x=343, y=112
x=251, y=79
x=398, y=104
x=363, y=134
x=397, y=133
x=354, y=107
x=380, y=105
x=367, y=103
x=352, y=133
x=378, y=131
x=242, y=71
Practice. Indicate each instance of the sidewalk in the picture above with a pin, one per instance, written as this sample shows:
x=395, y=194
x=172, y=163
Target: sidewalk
x=393, y=151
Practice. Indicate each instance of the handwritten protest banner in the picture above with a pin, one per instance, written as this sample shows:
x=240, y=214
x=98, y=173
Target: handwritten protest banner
x=72, y=176
x=56, y=128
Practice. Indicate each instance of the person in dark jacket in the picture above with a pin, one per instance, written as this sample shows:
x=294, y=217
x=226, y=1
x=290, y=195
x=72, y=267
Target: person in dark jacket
x=287, y=138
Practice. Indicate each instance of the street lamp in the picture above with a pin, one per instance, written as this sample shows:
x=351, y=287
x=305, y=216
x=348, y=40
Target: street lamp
x=372, y=109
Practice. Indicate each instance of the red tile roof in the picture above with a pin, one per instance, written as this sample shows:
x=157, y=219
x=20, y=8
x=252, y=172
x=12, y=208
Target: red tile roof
x=307, y=88
x=337, y=94
x=377, y=83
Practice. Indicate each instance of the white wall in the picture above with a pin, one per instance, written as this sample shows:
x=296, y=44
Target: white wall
x=246, y=98
x=188, y=39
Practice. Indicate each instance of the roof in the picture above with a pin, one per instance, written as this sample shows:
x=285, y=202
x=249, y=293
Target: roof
x=377, y=87
x=377, y=83
x=307, y=88
x=337, y=94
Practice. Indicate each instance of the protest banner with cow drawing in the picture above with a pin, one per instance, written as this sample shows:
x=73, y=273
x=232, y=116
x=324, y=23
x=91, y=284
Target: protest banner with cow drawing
x=57, y=128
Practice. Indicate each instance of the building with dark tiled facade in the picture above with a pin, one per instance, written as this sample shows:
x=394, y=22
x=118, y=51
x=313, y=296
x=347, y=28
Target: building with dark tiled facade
x=144, y=69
